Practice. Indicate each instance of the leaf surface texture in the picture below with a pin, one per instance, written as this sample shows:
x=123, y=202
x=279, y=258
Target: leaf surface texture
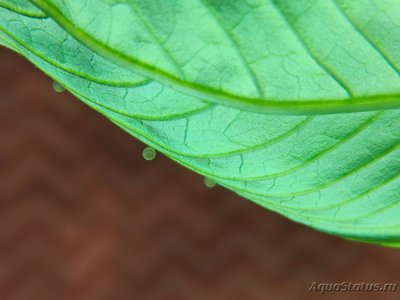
x=291, y=104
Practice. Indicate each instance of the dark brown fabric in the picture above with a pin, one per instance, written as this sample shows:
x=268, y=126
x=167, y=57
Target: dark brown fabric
x=83, y=216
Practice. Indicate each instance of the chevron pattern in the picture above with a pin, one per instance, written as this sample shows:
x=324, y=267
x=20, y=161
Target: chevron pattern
x=83, y=216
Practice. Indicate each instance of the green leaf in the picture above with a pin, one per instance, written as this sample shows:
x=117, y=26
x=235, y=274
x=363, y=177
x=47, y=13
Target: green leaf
x=23, y=7
x=266, y=54
x=283, y=102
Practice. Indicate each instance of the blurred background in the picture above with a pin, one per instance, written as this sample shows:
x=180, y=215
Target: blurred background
x=83, y=216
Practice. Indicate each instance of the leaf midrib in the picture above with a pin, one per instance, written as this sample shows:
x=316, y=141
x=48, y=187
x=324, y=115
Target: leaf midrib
x=288, y=107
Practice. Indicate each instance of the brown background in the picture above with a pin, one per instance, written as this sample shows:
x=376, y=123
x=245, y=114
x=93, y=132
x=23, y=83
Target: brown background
x=83, y=216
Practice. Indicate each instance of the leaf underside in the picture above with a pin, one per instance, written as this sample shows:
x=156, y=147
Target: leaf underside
x=291, y=104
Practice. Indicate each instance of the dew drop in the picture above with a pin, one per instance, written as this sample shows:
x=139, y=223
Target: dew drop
x=209, y=182
x=149, y=153
x=58, y=87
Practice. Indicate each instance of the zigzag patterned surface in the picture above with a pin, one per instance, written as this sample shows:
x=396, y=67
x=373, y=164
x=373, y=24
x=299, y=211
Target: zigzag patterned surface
x=83, y=216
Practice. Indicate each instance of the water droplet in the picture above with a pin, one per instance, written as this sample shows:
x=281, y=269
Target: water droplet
x=58, y=87
x=209, y=182
x=149, y=153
